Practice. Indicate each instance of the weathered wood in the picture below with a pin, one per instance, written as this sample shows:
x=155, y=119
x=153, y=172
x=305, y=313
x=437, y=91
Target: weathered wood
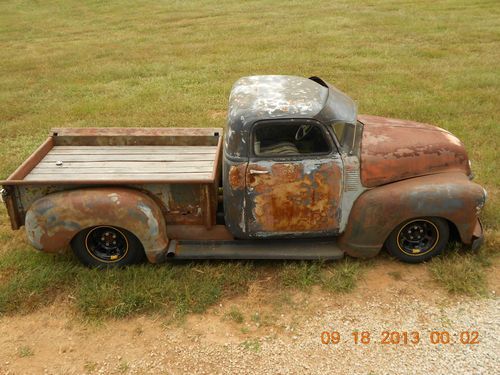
x=131, y=140
x=136, y=136
x=114, y=156
x=135, y=132
x=120, y=178
x=114, y=171
x=98, y=158
x=128, y=164
x=127, y=150
x=30, y=163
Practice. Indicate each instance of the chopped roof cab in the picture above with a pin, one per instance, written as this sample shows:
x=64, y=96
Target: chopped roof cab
x=258, y=98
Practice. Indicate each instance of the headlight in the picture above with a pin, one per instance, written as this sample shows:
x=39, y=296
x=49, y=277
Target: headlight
x=481, y=204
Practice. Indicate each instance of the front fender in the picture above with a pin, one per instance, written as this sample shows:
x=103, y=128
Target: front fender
x=52, y=221
x=378, y=211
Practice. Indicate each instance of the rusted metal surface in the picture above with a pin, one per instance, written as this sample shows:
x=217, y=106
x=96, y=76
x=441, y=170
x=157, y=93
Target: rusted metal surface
x=180, y=204
x=296, y=198
x=352, y=187
x=310, y=249
x=378, y=211
x=277, y=205
x=52, y=221
x=199, y=233
x=234, y=187
x=477, y=236
x=269, y=97
x=237, y=175
x=393, y=150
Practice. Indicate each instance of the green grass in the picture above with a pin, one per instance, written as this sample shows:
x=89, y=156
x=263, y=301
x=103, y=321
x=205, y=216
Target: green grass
x=235, y=315
x=340, y=276
x=25, y=351
x=172, y=63
x=300, y=275
x=35, y=280
x=462, y=273
x=252, y=345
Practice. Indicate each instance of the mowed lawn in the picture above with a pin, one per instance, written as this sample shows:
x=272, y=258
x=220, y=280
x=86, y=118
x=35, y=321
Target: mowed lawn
x=172, y=63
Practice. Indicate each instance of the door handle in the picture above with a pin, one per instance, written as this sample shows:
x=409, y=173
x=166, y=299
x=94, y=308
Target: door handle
x=256, y=171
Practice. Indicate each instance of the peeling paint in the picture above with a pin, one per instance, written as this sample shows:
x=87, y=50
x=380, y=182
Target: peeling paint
x=301, y=197
x=393, y=150
x=378, y=211
x=52, y=221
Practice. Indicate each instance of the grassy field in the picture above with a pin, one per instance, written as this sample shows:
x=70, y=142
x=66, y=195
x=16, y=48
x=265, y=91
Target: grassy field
x=172, y=63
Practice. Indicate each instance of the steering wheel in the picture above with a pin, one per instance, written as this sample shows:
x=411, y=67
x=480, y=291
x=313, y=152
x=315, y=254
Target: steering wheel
x=302, y=131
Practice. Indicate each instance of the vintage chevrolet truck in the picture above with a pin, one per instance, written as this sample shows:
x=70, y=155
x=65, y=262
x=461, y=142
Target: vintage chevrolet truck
x=298, y=174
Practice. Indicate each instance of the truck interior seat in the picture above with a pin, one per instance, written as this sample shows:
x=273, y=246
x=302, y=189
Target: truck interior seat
x=280, y=148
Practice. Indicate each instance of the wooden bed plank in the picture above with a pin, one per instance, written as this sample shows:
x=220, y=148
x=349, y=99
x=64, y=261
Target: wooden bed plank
x=112, y=150
x=112, y=171
x=128, y=164
x=99, y=158
x=131, y=146
x=122, y=177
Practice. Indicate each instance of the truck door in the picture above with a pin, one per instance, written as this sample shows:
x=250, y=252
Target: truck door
x=293, y=180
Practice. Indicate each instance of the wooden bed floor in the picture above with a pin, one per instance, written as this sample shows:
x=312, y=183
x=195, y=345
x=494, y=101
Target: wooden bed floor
x=152, y=163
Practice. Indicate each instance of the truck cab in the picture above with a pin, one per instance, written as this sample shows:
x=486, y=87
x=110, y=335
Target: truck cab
x=283, y=162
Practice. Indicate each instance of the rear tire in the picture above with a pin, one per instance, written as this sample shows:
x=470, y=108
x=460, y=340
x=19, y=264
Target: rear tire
x=107, y=246
x=418, y=240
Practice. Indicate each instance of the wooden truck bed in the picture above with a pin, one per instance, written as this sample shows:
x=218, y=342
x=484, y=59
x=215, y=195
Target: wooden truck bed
x=151, y=163
x=123, y=155
x=179, y=167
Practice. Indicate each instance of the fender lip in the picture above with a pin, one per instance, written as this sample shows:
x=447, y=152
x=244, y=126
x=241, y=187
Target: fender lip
x=478, y=236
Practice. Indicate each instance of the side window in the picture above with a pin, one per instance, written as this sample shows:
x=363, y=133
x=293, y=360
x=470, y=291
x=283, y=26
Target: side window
x=288, y=139
x=339, y=129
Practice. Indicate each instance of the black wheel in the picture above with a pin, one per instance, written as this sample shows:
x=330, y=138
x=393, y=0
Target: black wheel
x=418, y=240
x=107, y=246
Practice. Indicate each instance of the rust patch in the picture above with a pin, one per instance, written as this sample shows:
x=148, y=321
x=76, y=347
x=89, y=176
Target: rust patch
x=199, y=233
x=237, y=176
x=393, y=150
x=378, y=211
x=302, y=197
x=52, y=221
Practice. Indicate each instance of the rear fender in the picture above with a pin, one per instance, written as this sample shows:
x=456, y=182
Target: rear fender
x=378, y=211
x=52, y=221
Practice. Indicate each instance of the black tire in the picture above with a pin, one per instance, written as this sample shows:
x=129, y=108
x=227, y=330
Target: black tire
x=106, y=246
x=418, y=240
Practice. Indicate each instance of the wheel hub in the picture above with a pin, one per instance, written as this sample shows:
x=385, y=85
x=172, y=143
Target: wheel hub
x=106, y=244
x=418, y=237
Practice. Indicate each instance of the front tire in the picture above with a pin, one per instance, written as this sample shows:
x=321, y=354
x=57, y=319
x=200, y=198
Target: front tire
x=418, y=240
x=107, y=246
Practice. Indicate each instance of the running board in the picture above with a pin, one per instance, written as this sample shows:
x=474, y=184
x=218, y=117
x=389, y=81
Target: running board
x=255, y=249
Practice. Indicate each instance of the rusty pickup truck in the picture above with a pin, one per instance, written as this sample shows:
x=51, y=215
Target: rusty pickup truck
x=297, y=174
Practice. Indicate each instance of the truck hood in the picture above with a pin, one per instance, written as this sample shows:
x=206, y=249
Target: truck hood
x=394, y=150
